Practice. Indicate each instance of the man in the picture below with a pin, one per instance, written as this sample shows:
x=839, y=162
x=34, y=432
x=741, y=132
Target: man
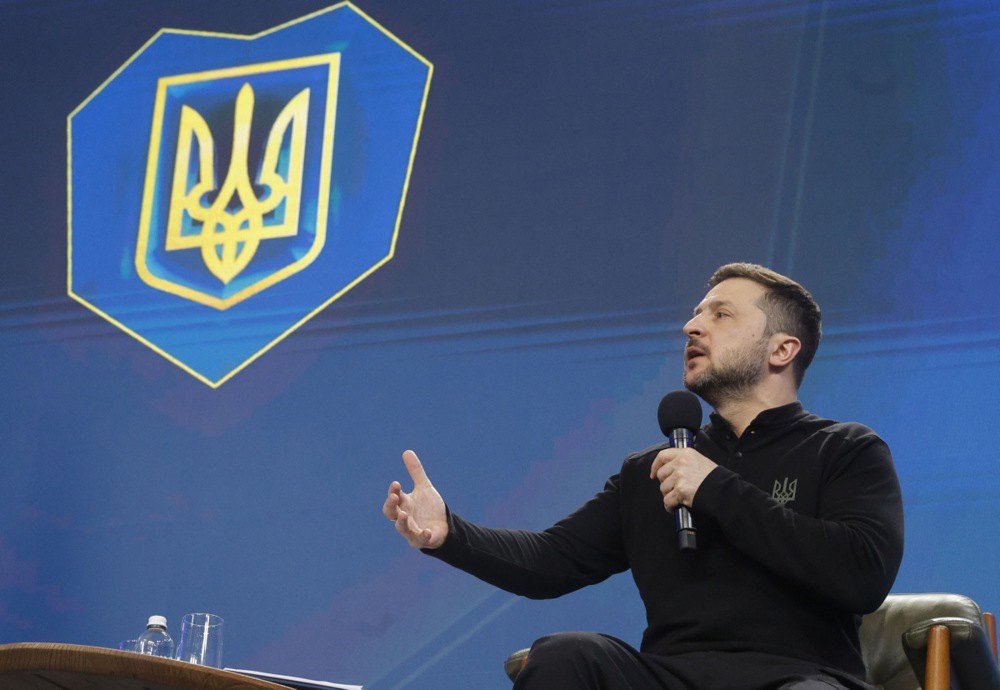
x=800, y=526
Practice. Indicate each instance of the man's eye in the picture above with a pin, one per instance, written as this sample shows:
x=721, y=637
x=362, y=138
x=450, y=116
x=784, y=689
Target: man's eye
x=720, y=314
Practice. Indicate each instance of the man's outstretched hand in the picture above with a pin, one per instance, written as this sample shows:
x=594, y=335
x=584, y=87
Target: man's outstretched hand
x=419, y=515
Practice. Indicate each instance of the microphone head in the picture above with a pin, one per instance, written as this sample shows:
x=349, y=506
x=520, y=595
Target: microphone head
x=679, y=410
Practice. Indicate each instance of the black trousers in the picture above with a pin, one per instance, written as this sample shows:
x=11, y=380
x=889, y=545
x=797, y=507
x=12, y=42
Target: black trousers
x=590, y=661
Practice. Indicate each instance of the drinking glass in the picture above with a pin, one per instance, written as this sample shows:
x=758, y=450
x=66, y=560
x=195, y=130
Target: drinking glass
x=201, y=639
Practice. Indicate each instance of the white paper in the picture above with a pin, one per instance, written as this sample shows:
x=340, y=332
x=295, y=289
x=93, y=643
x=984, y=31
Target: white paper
x=277, y=678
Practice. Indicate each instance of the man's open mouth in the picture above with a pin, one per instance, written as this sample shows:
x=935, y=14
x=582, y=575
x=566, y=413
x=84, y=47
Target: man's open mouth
x=692, y=352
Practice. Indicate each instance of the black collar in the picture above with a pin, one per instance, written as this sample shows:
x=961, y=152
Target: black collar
x=767, y=420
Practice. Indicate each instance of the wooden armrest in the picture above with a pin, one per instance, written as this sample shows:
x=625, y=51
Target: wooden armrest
x=991, y=629
x=938, y=659
x=515, y=662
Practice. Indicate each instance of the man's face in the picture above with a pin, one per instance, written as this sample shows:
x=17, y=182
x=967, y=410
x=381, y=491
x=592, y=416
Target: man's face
x=727, y=348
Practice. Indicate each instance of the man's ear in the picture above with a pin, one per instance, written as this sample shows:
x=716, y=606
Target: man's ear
x=784, y=347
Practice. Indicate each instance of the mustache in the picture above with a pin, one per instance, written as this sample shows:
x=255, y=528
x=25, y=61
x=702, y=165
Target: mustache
x=691, y=342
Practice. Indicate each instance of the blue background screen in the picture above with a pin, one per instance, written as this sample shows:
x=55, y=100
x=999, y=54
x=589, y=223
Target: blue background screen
x=582, y=169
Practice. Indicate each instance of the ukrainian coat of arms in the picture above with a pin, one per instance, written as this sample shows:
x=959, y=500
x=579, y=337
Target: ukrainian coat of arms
x=223, y=189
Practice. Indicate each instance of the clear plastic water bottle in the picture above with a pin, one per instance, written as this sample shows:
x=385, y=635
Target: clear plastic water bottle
x=155, y=640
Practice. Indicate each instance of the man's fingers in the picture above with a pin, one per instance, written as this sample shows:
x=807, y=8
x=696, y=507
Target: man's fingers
x=661, y=459
x=663, y=470
x=403, y=524
x=391, y=505
x=672, y=499
x=677, y=498
x=415, y=469
x=407, y=526
x=392, y=500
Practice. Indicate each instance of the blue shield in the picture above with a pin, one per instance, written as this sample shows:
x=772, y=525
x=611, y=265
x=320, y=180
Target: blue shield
x=224, y=189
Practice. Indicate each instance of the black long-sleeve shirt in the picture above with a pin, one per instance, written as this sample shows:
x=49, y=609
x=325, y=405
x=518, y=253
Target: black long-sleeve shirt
x=800, y=530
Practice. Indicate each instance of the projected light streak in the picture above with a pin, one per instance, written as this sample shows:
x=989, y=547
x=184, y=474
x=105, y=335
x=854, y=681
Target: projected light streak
x=457, y=642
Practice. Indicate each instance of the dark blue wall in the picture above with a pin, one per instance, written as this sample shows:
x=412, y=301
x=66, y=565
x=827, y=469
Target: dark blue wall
x=582, y=168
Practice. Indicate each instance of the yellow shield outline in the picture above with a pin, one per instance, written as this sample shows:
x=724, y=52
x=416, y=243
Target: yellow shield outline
x=152, y=165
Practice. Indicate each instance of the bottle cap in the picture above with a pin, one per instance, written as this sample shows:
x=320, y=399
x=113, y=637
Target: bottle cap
x=157, y=620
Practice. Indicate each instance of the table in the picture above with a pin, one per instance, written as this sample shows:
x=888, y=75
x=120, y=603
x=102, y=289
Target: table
x=49, y=666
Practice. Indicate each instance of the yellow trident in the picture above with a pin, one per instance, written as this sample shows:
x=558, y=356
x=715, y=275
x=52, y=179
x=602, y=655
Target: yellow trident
x=229, y=239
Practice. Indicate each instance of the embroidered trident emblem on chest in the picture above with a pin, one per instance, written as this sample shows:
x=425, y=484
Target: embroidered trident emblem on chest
x=784, y=492
x=231, y=228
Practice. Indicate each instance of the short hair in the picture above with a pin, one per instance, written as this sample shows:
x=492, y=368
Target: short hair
x=787, y=306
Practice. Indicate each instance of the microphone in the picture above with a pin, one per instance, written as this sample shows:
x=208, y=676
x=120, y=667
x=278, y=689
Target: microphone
x=679, y=415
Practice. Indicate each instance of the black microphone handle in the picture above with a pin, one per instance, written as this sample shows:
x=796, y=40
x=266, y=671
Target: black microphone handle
x=687, y=538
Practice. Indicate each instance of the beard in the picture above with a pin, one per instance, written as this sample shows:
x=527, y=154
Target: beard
x=731, y=379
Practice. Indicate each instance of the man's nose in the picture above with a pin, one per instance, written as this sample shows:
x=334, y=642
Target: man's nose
x=692, y=328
